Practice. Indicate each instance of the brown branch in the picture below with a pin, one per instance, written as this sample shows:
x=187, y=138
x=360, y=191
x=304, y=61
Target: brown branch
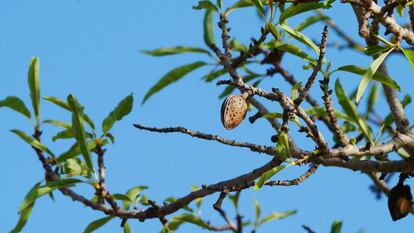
x=217, y=206
x=296, y=181
x=316, y=69
x=254, y=147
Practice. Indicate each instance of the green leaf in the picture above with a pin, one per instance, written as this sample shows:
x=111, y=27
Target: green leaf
x=66, y=106
x=400, y=10
x=214, y=75
x=132, y=194
x=124, y=108
x=239, y=4
x=369, y=73
x=235, y=45
x=176, y=221
x=34, y=86
x=45, y=189
x=284, y=142
x=57, y=102
x=127, y=228
x=257, y=211
x=64, y=134
x=205, y=5
x=272, y=30
x=259, y=7
x=15, y=104
x=377, y=76
x=299, y=8
x=372, y=98
x=75, y=150
x=75, y=167
x=97, y=224
x=311, y=20
x=58, y=123
x=33, y=142
x=295, y=50
x=171, y=77
x=121, y=197
x=208, y=28
x=263, y=178
x=79, y=130
x=300, y=37
x=24, y=214
x=219, y=4
x=336, y=227
x=350, y=109
x=277, y=216
x=175, y=50
x=321, y=112
x=235, y=200
x=409, y=54
x=375, y=50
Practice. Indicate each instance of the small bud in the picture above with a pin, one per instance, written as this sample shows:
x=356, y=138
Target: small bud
x=400, y=201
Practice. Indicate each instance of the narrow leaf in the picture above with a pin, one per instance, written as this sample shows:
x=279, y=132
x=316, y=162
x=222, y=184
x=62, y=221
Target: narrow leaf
x=208, y=28
x=132, y=194
x=33, y=142
x=336, y=227
x=124, y=108
x=409, y=54
x=259, y=7
x=176, y=221
x=175, y=50
x=171, y=77
x=257, y=211
x=295, y=50
x=97, y=224
x=57, y=102
x=79, y=130
x=311, y=20
x=350, y=109
x=377, y=76
x=239, y=4
x=45, y=189
x=75, y=150
x=58, y=123
x=205, y=5
x=214, y=75
x=369, y=73
x=300, y=37
x=15, y=104
x=24, y=215
x=34, y=86
x=263, y=178
x=277, y=216
x=127, y=228
x=299, y=8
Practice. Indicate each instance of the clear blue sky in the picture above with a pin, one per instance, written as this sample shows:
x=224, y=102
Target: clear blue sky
x=91, y=48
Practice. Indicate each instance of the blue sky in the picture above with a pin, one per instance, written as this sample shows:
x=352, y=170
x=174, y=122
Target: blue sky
x=91, y=49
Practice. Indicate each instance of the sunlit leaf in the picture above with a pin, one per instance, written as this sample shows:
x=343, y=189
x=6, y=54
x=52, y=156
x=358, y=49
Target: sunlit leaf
x=97, y=224
x=75, y=167
x=350, y=109
x=75, y=150
x=369, y=73
x=79, y=130
x=205, y=5
x=277, y=216
x=377, y=76
x=127, y=228
x=259, y=7
x=15, y=104
x=295, y=50
x=176, y=221
x=122, y=109
x=175, y=50
x=58, y=123
x=311, y=20
x=208, y=28
x=34, y=86
x=33, y=142
x=45, y=189
x=336, y=227
x=132, y=194
x=257, y=211
x=409, y=54
x=299, y=8
x=263, y=178
x=239, y=4
x=24, y=214
x=171, y=77
x=300, y=37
